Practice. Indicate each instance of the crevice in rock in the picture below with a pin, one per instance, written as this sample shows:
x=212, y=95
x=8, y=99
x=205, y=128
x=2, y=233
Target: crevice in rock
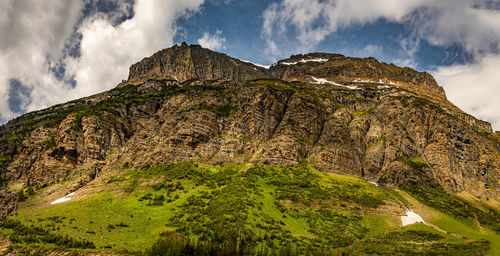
x=282, y=116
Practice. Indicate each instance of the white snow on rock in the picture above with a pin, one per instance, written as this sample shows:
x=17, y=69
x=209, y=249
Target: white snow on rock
x=64, y=198
x=383, y=86
x=358, y=80
x=262, y=65
x=324, y=81
x=411, y=218
x=373, y=182
x=304, y=61
x=257, y=64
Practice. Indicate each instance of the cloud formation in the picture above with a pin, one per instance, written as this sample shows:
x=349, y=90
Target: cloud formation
x=475, y=87
x=212, y=42
x=470, y=24
x=33, y=34
x=38, y=37
x=305, y=23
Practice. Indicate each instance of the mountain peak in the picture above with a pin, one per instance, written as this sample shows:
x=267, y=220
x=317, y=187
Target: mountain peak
x=187, y=62
x=350, y=71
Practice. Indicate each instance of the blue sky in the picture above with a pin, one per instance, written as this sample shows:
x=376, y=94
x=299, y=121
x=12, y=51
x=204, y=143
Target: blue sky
x=240, y=24
x=55, y=50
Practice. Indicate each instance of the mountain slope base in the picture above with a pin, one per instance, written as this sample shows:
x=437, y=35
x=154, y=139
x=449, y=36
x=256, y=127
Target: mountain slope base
x=267, y=208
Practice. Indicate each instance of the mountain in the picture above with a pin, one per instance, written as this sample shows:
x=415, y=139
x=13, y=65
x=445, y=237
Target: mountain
x=298, y=138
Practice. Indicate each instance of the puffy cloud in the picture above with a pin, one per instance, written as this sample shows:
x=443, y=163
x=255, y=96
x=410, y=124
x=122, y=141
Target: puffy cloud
x=213, y=42
x=461, y=22
x=475, y=88
x=33, y=34
x=37, y=36
x=107, y=51
x=305, y=23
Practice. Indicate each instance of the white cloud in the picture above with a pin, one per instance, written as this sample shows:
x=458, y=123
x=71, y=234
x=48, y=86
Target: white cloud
x=475, y=88
x=307, y=22
x=34, y=35
x=212, y=42
x=448, y=22
x=107, y=51
x=299, y=25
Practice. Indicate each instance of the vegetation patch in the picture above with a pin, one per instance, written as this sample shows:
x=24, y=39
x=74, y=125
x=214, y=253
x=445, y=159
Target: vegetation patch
x=363, y=112
x=191, y=208
x=416, y=242
x=453, y=205
x=4, y=161
x=416, y=163
x=32, y=234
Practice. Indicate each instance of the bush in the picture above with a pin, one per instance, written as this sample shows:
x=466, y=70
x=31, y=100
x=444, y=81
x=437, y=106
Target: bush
x=33, y=234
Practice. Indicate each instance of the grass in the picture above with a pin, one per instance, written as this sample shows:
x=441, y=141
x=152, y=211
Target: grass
x=457, y=228
x=4, y=161
x=363, y=112
x=377, y=224
x=416, y=242
x=455, y=206
x=416, y=163
x=281, y=208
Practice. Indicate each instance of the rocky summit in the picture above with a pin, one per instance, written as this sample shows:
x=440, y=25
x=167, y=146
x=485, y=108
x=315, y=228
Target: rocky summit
x=359, y=117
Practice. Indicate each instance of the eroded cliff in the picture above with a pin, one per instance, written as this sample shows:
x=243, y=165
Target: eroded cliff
x=346, y=115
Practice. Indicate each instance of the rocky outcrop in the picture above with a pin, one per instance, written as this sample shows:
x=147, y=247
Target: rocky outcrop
x=355, y=71
x=8, y=202
x=185, y=62
x=399, y=128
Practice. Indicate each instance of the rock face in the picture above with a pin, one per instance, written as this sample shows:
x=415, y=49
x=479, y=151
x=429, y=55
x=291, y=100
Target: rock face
x=193, y=62
x=346, y=115
x=185, y=62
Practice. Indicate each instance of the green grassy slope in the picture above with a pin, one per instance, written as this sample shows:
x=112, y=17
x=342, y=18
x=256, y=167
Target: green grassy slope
x=252, y=208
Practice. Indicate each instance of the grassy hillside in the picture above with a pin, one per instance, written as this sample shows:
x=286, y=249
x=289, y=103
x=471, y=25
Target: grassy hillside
x=251, y=209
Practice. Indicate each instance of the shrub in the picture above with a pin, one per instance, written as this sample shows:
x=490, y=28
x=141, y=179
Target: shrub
x=33, y=234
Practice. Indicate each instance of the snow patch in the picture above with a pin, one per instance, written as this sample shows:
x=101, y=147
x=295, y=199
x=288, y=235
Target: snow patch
x=374, y=183
x=304, y=61
x=392, y=83
x=383, y=86
x=64, y=198
x=257, y=64
x=358, y=80
x=411, y=218
x=324, y=81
